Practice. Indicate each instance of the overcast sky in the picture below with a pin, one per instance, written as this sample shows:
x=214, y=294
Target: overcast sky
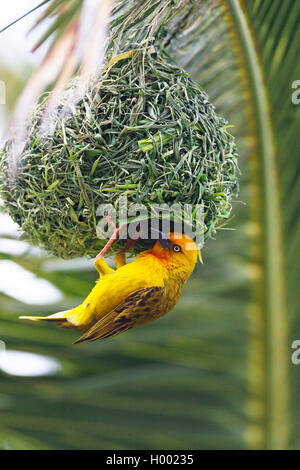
x=15, y=43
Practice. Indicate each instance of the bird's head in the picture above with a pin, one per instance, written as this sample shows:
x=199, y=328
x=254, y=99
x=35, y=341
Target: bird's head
x=177, y=250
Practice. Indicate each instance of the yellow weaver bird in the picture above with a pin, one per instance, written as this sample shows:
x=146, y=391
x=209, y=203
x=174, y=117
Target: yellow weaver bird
x=134, y=293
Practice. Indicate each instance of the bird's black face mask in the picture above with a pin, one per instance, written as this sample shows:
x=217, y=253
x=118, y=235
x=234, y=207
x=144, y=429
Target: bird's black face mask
x=162, y=237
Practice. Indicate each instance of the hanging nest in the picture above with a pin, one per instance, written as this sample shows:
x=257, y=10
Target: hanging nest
x=146, y=130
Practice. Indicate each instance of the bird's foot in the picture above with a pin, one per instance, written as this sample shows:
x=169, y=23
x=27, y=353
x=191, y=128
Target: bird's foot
x=120, y=258
x=114, y=236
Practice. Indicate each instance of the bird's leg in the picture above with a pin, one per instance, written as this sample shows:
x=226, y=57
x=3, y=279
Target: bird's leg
x=102, y=267
x=120, y=258
x=100, y=263
x=114, y=236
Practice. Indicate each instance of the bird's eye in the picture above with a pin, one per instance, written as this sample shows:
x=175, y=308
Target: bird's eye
x=176, y=248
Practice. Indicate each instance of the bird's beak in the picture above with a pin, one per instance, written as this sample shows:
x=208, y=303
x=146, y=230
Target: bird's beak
x=162, y=237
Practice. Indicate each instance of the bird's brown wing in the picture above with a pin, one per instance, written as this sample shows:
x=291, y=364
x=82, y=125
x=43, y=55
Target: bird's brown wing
x=136, y=309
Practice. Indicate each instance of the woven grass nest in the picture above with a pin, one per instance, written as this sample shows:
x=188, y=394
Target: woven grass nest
x=144, y=129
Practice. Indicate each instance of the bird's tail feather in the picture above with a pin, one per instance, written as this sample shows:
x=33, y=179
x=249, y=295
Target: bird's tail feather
x=60, y=318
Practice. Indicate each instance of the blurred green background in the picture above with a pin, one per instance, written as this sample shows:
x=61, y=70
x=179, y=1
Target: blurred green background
x=217, y=371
